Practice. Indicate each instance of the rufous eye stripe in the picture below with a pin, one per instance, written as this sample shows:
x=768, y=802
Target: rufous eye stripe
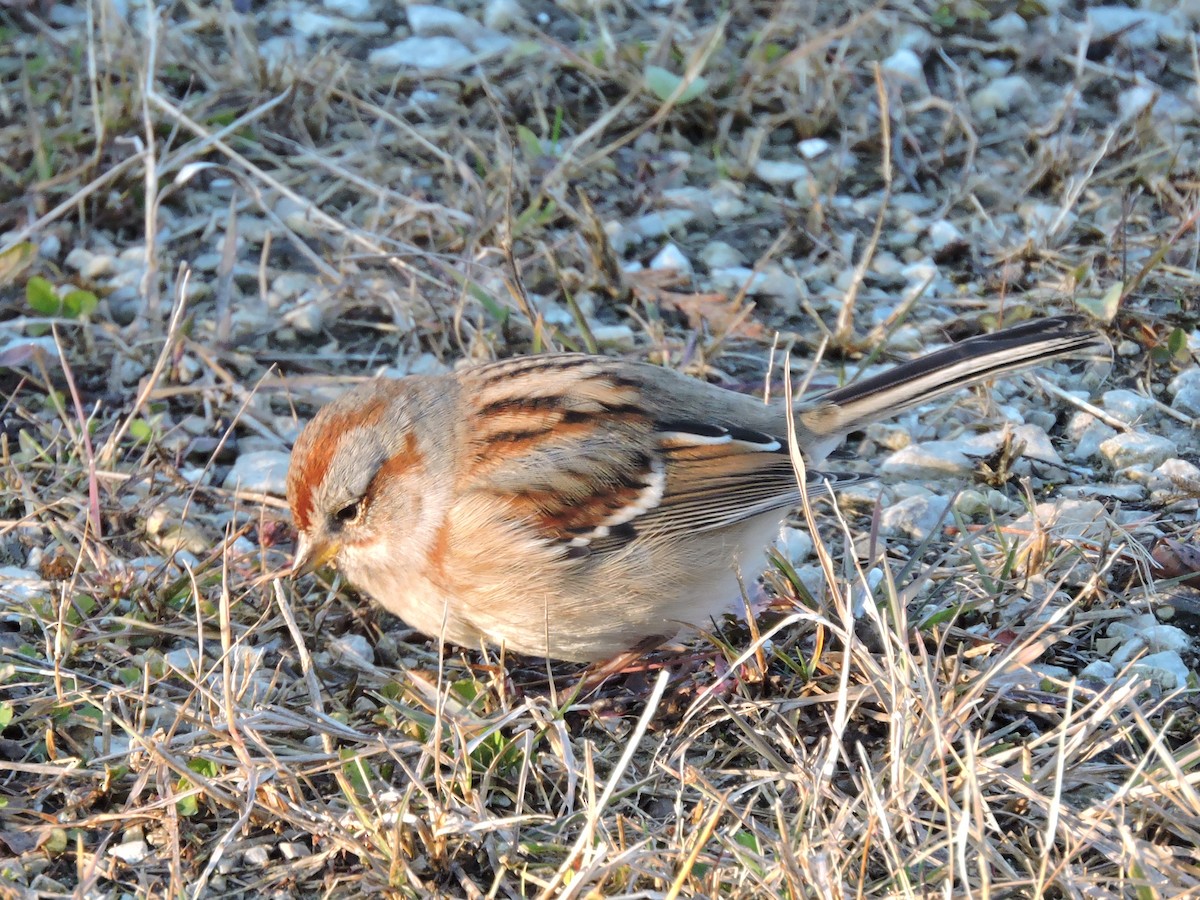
x=314, y=451
x=405, y=461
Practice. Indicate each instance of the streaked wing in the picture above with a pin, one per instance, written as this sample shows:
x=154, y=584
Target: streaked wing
x=580, y=458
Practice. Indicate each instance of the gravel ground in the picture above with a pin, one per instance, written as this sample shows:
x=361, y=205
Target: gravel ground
x=215, y=217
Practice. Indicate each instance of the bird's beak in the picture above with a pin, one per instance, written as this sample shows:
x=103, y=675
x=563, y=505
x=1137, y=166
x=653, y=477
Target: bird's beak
x=310, y=555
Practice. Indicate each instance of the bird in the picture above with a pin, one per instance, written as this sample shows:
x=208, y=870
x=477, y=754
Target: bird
x=581, y=507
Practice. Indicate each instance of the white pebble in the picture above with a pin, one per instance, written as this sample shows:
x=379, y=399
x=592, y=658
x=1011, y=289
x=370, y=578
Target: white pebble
x=1127, y=406
x=501, y=14
x=1166, y=669
x=1137, y=448
x=914, y=517
x=1166, y=637
x=354, y=650
x=943, y=234
x=813, y=147
x=671, y=258
x=1001, y=95
x=661, y=222
x=904, y=64
x=355, y=9
x=130, y=852
x=1009, y=27
x=615, y=337
x=929, y=459
x=427, y=53
x=1185, y=391
x=780, y=171
x=260, y=472
x=21, y=585
x=183, y=659
x=795, y=544
x=1132, y=101
x=720, y=255
x=1140, y=28
x=1100, y=669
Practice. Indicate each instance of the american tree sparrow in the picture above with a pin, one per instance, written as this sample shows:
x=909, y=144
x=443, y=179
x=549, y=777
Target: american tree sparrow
x=576, y=506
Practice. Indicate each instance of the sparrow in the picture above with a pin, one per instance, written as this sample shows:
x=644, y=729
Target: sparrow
x=579, y=507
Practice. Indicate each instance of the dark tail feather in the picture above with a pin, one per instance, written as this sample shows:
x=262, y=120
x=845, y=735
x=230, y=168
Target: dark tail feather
x=912, y=383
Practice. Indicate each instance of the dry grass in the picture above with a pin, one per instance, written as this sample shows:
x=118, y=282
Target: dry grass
x=162, y=685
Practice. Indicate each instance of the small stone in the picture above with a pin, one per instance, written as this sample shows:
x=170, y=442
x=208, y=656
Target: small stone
x=795, y=544
x=614, y=337
x=1134, y=100
x=661, y=222
x=1066, y=520
x=1099, y=669
x=1040, y=217
x=1172, y=479
x=258, y=855
x=929, y=459
x=1137, y=448
x=1185, y=391
x=813, y=147
x=298, y=217
x=1131, y=627
x=131, y=852
x=183, y=659
x=307, y=317
x=1127, y=406
x=1128, y=349
x=671, y=258
x=1000, y=96
x=779, y=171
x=427, y=20
x=1087, y=446
x=294, y=850
x=501, y=14
x=21, y=585
x=261, y=472
x=354, y=650
x=355, y=9
x=1140, y=28
x=1166, y=637
x=720, y=255
x=426, y=53
x=1126, y=493
x=943, y=234
x=315, y=25
x=914, y=517
x=1165, y=669
x=904, y=64
x=889, y=435
x=735, y=278
x=971, y=503
x=1009, y=27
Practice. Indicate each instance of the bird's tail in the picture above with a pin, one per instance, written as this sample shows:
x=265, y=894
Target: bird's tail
x=844, y=409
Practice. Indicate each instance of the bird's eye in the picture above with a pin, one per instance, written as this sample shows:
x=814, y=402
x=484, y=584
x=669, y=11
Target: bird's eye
x=347, y=513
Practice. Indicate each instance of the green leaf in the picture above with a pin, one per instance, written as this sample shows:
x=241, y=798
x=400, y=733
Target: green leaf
x=80, y=303
x=531, y=145
x=772, y=52
x=1177, y=343
x=1103, y=309
x=663, y=84
x=6, y=714
x=141, y=431
x=357, y=771
x=15, y=260
x=187, y=806
x=201, y=766
x=40, y=295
